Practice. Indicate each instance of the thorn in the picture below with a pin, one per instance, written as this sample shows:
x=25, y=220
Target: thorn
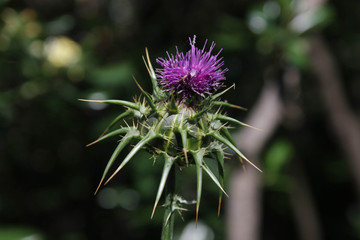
x=145, y=125
x=221, y=93
x=182, y=217
x=146, y=64
x=88, y=100
x=244, y=168
x=253, y=164
x=219, y=207
x=92, y=143
x=153, y=212
x=232, y=86
x=247, y=125
x=148, y=60
x=112, y=176
x=242, y=165
x=238, y=107
x=224, y=125
x=168, y=218
x=97, y=189
x=218, y=110
x=147, y=54
x=186, y=157
x=105, y=132
x=126, y=124
x=141, y=89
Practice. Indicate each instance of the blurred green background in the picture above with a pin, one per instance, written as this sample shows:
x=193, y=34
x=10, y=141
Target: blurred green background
x=53, y=52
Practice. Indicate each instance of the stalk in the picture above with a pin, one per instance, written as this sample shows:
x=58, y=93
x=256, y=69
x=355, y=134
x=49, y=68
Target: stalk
x=169, y=217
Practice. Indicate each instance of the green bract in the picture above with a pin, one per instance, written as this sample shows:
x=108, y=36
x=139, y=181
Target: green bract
x=179, y=134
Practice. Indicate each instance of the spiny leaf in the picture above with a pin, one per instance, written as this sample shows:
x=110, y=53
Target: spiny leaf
x=226, y=104
x=150, y=69
x=168, y=224
x=124, y=141
x=200, y=113
x=150, y=136
x=202, y=126
x=233, y=120
x=182, y=130
x=172, y=106
x=198, y=157
x=220, y=161
x=113, y=133
x=227, y=134
x=123, y=115
x=171, y=132
x=168, y=162
x=213, y=177
x=159, y=124
x=147, y=96
x=215, y=96
x=117, y=102
x=184, y=140
x=220, y=138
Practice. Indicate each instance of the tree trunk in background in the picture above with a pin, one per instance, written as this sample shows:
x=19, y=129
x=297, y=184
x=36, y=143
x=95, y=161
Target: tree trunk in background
x=306, y=216
x=305, y=213
x=244, y=208
x=344, y=121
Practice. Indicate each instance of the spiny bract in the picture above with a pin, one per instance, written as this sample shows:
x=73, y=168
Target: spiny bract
x=179, y=132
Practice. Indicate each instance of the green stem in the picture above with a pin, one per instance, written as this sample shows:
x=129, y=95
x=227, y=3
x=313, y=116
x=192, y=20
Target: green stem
x=169, y=217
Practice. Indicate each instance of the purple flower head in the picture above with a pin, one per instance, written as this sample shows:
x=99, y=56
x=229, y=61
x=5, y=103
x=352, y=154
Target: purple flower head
x=196, y=73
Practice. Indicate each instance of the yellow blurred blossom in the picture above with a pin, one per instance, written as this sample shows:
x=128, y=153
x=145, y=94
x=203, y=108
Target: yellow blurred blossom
x=61, y=51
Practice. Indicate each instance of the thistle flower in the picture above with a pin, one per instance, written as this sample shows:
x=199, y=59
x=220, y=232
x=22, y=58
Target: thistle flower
x=195, y=74
x=185, y=135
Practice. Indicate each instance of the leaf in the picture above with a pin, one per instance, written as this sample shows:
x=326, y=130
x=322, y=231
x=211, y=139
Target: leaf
x=150, y=136
x=220, y=161
x=226, y=104
x=227, y=134
x=123, y=115
x=148, y=65
x=198, y=157
x=233, y=120
x=117, y=102
x=200, y=113
x=213, y=177
x=173, y=122
x=147, y=96
x=172, y=106
x=113, y=133
x=168, y=162
x=220, y=138
x=218, y=95
x=124, y=141
x=184, y=140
